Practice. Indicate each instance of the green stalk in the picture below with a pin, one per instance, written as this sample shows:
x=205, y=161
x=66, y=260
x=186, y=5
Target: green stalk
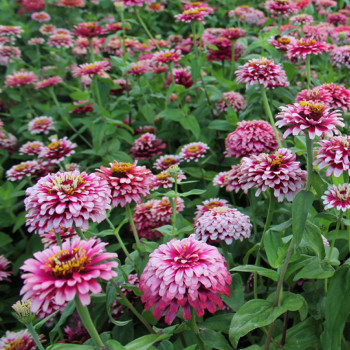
x=309, y=151
x=196, y=330
x=346, y=180
x=79, y=232
x=35, y=336
x=131, y=220
x=232, y=59
x=308, y=71
x=132, y=308
x=98, y=96
x=88, y=324
x=269, y=114
x=174, y=202
x=335, y=235
x=120, y=241
x=145, y=28
x=123, y=38
x=278, y=291
x=92, y=55
x=253, y=208
x=58, y=239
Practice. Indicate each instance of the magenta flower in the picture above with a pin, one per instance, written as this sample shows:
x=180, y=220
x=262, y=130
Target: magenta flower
x=279, y=171
x=4, y=270
x=337, y=197
x=306, y=46
x=262, y=71
x=193, y=14
x=164, y=162
x=182, y=76
x=340, y=96
x=235, y=99
x=58, y=275
x=128, y=182
x=316, y=95
x=60, y=40
x=45, y=83
x=210, y=204
x=49, y=239
x=334, y=153
x=219, y=179
x=315, y=118
x=167, y=56
x=57, y=150
x=250, y=137
x=282, y=8
x=222, y=224
x=147, y=146
x=41, y=125
x=31, y=148
x=91, y=69
x=193, y=151
x=340, y=56
x=20, y=78
x=186, y=273
x=63, y=199
x=20, y=171
x=21, y=340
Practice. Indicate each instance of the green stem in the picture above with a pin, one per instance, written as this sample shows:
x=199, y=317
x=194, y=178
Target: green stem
x=79, y=232
x=120, y=241
x=232, y=59
x=174, y=202
x=132, y=308
x=92, y=55
x=309, y=151
x=272, y=202
x=88, y=324
x=308, y=71
x=35, y=336
x=196, y=330
x=58, y=239
x=253, y=208
x=278, y=291
x=125, y=54
x=145, y=28
x=255, y=281
x=335, y=235
x=98, y=96
x=269, y=114
x=131, y=220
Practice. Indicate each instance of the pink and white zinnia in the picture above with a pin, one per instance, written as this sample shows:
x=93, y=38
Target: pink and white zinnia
x=59, y=274
x=186, y=273
x=63, y=199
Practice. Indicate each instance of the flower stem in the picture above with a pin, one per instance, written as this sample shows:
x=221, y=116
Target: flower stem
x=174, y=203
x=58, y=239
x=92, y=55
x=98, y=96
x=335, y=235
x=309, y=151
x=120, y=241
x=79, y=232
x=88, y=324
x=232, y=59
x=308, y=71
x=272, y=202
x=278, y=291
x=196, y=330
x=35, y=336
x=132, y=308
x=269, y=114
x=131, y=220
x=145, y=28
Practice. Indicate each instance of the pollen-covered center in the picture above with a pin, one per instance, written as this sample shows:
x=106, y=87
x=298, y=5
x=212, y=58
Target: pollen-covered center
x=120, y=169
x=283, y=40
x=315, y=109
x=54, y=145
x=193, y=149
x=307, y=42
x=212, y=205
x=67, y=184
x=186, y=258
x=21, y=167
x=277, y=162
x=164, y=175
x=66, y=262
x=14, y=344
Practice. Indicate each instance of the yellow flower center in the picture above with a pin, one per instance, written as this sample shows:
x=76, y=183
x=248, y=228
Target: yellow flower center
x=194, y=11
x=166, y=55
x=164, y=175
x=221, y=209
x=316, y=108
x=277, y=162
x=54, y=145
x=168, y=160
x=284, y=41
x=21, y=167
x=61, y=36
x=90, y=66
x=306, y=42
x=120, y=169
x=245, y=7
x=66, y=262
x=212, y=205
x=193, y=149
x=14, y=344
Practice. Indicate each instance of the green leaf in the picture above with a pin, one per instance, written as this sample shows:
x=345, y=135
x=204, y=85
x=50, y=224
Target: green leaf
x=219, y=322
x=258, y=313
x=313, y=239
x=148, y=113
x=191, y=123
x=214, y=339
x=114, y=345
x=275, y=249
x=262, y=271
x=172, y=114
x=300, y=209
x=79, y=95
x=223, y=125
x=70, y=347
x=337, y=308
x=314, y=267
x=68, y=310
x=4, y=239
x=146, y=341
x=236, y=300
x=193, y=192
x=43, y=321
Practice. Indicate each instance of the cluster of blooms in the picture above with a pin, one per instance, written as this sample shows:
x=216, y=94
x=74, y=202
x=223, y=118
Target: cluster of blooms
x=249, y=15
x=165, y=180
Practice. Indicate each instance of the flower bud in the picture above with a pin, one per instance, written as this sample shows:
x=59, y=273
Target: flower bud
x=23, y=313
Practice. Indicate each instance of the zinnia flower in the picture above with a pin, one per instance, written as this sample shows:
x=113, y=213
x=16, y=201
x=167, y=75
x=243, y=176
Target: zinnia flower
x=8, y=54
x=250, y=137
x=210, y=204
x=20, y=171
x=31, y=148
x=20, y=78
x=11, y=31
x=128, y=182
x=147, y=146
x=341, y=56
x=45, y=83
x=21, y=340
x=40, y=16
x=63, y=199
x=279, y=171
x=167, y=56
x=315, y=118
x=340, y=96
x=41, y=125
x=88, y=29
x=57, y=150
x=334, y=153
x=35, y=41
x=136, y=2
x=49, y=239
x=186, y=273
x=193, y=14
x=182, y=76
x=222, y=224
x=4, y=273
x=282, y=8
x=306, y=46
x=165, y=180
x=164, y=162
x=60, y=40
x=235, y=99
x=193, y=151
x=59, y=274
x=71, y=3
x=91, y=68
x=301, y=19
x=337, y=197
x=262, y=71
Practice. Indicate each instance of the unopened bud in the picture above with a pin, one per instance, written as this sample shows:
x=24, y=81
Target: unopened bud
x=23, y=313
x=174, y=171
x=119, y=6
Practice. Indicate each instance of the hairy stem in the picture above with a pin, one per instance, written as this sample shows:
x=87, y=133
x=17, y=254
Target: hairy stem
x=131, y=220
x=310, y=158
x=35, y=336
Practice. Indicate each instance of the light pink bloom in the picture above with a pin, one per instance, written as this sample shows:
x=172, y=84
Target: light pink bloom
x=47, y=29
x=340, y=96
x=167, y=56
x=71, y=3
x=20, y=171
x=88, y=29
x=49, y=239
x=341, y=56
x=57, y=150
x=59, y=274
x=31, y=148
x=35, y=41
x=63, y=199
x=9, y=54
x=262, y=71
x=162, y=209
x=4, y=273
x=147, y=146
x=210, y=204
x=40, y=16
x=222, y=224
x=186, y=273
x=219, y=179
x=45, y=83
x=139, y=68
x=139, y=3
x=279, y=171
x=127, y=181
x=235, y=100
x=233, y=179
x=337, y=197
x=301, y=19
x=193, y=151
x=60, y=40
x=282, y=8
x=11, y=31
x=164, y=162
x=164, y=179
x=316, y=95
x=250, y=137
x=21, y=340
x=315, y=118
x=193, y=14
x=334, y=153
x=20, y=78
x=306, y=46
x=281, y=42
x=91, y=69
x=41, y=125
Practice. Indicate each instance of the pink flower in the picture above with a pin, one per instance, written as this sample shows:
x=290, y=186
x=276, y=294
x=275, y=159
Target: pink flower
x=234, y=33
x=262, y=71
x=334, y=153
x=337, y=197
x=36, y=41
x=83, y=107
x=316, y=95
x=20, y=171
x=4, y=273
x=164, y=162
x=219, y=179
x=49, y=239
x=340, y=96
x=128, y=182
x=234, y=181
x=336, y=18
x=340, y=56
x=45, y=83
x=185, y=273
x=20, y=78
x=210, y=204
x=313, y=117
x=193, y=14
x=59, y=274
x=162, y=209
x=88, y=29
x=147, y=146
x=21, y=340
x=222, y=224
x=40, y=16
x=47, y=29
x=279, y=171
x=235, y=99
x=57, y=150
x=193, y=151
x=91, y=69
x=182, y=76
x=63, y=199
x=167, y=56
x=60, y=40
x=282, y=42
x=71, y=3
x=301, y=19
x=305, y=46
x=8, y=142
x=41, y=125
x=11, y=31
x=139, y=68
x=139, y=3
x=250, y=137
x=282, y=8
x=9, y=54
x=31, y=148
x=165, y=180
